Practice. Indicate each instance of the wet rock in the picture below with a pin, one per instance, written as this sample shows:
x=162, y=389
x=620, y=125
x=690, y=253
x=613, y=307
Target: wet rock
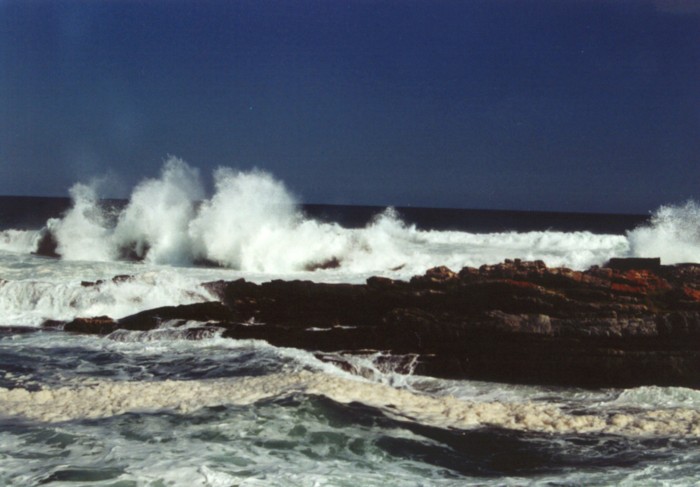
x=47, y=244
x=99, y=325
x=52, y=325
x=634, y=263
x=436, y=275
x=516, y=321
x=332, y=263
x=154, y=318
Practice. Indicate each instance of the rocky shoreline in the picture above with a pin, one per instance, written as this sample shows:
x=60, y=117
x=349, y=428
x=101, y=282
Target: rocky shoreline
x=631, y=322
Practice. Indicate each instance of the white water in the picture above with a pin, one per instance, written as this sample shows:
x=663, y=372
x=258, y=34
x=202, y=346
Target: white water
x=673, y=235
x=390, y=387
x=31, y=301
x=252, y=227
x=150, y=414
x=134, y=406
x=72, y=402
x=253, y=224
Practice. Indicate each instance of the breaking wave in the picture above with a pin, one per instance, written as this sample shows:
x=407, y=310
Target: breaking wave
x=252, y=223
x=29, y=302
x=673, y=234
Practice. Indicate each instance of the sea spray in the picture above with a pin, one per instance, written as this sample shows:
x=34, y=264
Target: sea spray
x=252, y=223
x=82, y=234
x=154, y=225
x=253, y=413
x=673, y=234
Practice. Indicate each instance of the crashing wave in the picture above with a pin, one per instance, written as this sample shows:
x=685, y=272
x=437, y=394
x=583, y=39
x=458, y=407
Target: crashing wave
x=252, y=223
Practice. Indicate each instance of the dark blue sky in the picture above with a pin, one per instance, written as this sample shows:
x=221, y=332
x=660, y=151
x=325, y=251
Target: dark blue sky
x=521, y=104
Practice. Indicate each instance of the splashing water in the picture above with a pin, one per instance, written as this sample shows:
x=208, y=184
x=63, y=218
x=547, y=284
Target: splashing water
x=154, y=224
x=82, y=234
x=252, y=223
x=673, y=235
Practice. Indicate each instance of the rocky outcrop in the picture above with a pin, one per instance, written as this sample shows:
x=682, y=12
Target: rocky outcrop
x=47, y=244
x=629, y=323
x=99, y=325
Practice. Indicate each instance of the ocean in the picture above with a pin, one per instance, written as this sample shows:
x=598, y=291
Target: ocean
x=157, y=409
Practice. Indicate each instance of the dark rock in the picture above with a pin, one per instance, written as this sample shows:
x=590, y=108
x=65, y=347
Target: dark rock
x=99, y=325
x=380, y=282
x=436, y=275
x=332, y=263
x=153, y=318
x=52, y=325
x=47, y=245
x=637, y=263
x=623, y=325
x=134, y=251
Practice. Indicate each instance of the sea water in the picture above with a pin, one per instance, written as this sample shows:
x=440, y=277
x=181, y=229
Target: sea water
x=153, y=408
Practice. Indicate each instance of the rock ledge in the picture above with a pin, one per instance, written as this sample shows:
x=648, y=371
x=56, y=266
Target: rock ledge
x=632, y=322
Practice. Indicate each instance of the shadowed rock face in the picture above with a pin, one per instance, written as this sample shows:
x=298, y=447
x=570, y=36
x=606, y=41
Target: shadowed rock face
x=630, y=323
x=47, y=244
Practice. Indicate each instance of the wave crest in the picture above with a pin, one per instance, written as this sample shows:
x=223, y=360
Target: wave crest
x=252, y=223
x=673, y=234
x=82, y=233
x=154, y=224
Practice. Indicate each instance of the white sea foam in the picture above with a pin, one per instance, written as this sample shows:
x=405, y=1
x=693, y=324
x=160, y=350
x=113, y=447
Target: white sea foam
x=30, y=302
x=660, y=397
x=253, y=224
x=265, y=445
x=107, y=398
x=82, y=233
x=154, y=224
x=673, y=234
x=23, y=241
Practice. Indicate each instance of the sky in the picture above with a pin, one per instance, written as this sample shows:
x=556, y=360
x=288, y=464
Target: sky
x=555, y=105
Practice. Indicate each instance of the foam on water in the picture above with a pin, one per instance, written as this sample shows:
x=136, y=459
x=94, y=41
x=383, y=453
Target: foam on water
x=99, y=399
x=23, y=241
x=32, y=301
x=267, y=444
x=147, y=407
x=660, y=397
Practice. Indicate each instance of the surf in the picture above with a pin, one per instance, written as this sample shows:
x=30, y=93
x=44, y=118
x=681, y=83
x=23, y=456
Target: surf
x=251, y=222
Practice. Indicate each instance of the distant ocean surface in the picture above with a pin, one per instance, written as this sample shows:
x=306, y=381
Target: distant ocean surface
x=155, y=409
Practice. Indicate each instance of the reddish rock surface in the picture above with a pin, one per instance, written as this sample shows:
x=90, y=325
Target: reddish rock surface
x=630, y=323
